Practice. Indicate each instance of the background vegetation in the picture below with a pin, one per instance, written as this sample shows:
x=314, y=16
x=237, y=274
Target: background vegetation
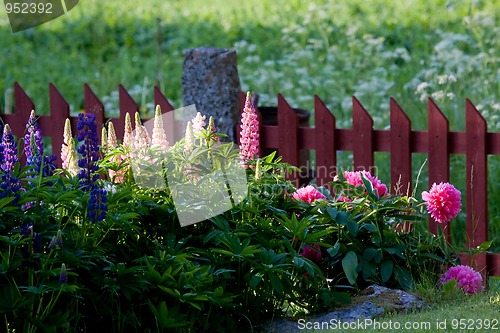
x=409, y=50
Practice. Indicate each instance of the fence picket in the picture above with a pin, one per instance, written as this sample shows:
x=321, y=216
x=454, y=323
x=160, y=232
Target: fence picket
x=362, y=137
x=127, y=105
x=326, y=152
x=59, y=111
x=400, y=149
x=288, y=125
x=477, y=182
x=439, y=156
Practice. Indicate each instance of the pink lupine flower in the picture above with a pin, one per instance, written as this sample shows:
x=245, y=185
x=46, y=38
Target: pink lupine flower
x=443, y=202
x=112, y=140
x=354, y=178
x=312, y=253
x=249, y=135
x=308, y=194
x=198, y=123
x=467, y=278
x=142, y=139
x=211, y=126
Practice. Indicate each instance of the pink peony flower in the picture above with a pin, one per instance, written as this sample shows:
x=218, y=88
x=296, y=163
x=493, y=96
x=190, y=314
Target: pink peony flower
x=249, y=135
x=312, y=253
x=308, y=194
x=354, y=178
x=443, y=202
x=467, y=278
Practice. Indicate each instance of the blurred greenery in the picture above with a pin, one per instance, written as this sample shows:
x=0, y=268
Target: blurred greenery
x=409, y=50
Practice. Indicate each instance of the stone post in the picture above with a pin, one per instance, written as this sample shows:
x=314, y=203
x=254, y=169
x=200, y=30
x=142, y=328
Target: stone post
x=210, y=81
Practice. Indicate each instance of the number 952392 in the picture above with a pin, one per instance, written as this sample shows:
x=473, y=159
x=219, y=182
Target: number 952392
x=28, y=8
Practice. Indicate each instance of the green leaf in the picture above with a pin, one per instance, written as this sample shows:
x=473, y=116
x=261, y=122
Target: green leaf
x=370, y=227
x=404, y=277
x=333, y=250
x=485, y=246
x=349, y=264
x=332, y=211
x=386, y=270
x=276, y=283
x=352, y=227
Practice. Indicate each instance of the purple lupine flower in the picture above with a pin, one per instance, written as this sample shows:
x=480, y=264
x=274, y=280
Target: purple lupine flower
x=89, y=150
x=63, y=276
x=56, y=240
x=1, y=147
x=9, y=185
x=37, y=242
x=26, y=229
x=9, y=150
x=33, y=144
x=249, y=135
x=33, y=148
x=49, y=166
x=97, y=207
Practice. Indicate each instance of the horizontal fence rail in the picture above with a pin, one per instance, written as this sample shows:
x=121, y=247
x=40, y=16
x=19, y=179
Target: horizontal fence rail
x=289, y=137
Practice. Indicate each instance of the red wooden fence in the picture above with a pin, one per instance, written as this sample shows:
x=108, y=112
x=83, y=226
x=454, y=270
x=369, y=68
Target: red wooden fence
x=288, y=138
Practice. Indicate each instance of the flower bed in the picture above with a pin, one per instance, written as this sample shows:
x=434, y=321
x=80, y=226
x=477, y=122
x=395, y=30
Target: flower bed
x=88, y=248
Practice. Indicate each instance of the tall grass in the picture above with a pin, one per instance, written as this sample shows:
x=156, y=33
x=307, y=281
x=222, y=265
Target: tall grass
x=409, y=50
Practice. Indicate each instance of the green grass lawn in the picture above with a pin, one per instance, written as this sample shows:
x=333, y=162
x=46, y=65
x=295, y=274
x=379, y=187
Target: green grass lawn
x=456, y=313
x=409, y=50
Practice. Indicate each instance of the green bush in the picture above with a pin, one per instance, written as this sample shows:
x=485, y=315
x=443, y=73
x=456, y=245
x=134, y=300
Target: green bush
x=80, y=253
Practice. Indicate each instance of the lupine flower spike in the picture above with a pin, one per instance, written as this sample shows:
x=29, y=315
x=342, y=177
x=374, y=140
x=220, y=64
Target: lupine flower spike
x=10, y=184
x=88, y=150
x=33, y=144
x=113, y=143
x=104, y=140
x=198, y=123
x=67, y=135
x=141, y=134
x=213, y=130
x=249, y=135
x=189, y=138
x=127, y=136
x=9, y=150
x=72, y=163
x=112, y=140
x=63, y=275
x=56, y=240
x=159, y=138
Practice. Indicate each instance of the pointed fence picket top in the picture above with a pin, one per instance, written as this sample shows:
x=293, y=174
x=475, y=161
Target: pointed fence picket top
x=326, y=152
x=59, y=112
x=439, y=156
x=362, y=138
x=127, y=105
x=24, y=106
x=168, y=116
x=400, y=150
x=288, y=125
x=94, y=105
x=477, y=182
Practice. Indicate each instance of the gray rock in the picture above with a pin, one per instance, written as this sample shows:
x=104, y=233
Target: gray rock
x=210, y=81
x=372, y=302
